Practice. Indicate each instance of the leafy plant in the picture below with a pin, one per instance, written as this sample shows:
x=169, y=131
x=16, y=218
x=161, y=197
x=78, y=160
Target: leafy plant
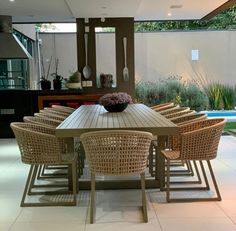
x=75, y=77
x=194, y=97
x=228, y=97
x=55, y=75
x=173, y=89
x=214, y=93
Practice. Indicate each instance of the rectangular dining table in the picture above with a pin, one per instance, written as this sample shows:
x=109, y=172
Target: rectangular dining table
x=135, y=117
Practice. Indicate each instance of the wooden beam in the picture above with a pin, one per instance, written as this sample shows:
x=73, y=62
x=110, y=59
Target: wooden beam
x=218, y=10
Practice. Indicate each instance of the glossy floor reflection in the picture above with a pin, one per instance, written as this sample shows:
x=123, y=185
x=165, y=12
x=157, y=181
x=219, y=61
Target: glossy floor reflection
x=118, y=209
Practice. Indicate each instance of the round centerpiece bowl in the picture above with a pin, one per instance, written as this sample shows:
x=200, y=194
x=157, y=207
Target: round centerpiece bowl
x=116, y=107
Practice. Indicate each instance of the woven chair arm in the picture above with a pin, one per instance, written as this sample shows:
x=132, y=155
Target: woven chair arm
x=175, y=141
x=37, y=145
x=201, y=144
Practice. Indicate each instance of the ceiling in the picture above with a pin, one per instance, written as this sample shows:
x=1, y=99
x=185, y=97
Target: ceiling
x=68, y=10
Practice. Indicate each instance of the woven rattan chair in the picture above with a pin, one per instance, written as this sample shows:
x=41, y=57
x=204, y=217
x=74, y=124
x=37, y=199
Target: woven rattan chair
x=42, y=120
x=39, y=146
x=181, y=120
x=42, y=171
x=179, y=113
x=199, y=143
x=117, y=152
x=52, y=123
x=50, y=116
x=54, y=112
x=63, y=108
x=174, y=110
x=162, y=106
x=191, y=122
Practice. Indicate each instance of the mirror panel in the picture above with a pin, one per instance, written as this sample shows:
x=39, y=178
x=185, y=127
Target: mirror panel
x=105, y=38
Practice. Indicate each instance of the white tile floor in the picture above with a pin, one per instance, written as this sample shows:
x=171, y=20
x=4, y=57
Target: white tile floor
x=118, y=209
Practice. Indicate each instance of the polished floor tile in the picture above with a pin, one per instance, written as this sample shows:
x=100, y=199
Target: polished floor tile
x=119, y=209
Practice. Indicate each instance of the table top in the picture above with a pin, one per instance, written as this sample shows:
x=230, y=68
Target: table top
x=135, y=117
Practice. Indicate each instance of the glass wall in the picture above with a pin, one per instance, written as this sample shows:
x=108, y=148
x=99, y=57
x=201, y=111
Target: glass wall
x=14, y=73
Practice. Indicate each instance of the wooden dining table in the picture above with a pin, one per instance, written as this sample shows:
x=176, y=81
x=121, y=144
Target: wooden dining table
x=135, y=117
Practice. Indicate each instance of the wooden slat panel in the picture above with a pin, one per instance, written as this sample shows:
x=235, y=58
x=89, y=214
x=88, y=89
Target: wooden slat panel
x=95, y=117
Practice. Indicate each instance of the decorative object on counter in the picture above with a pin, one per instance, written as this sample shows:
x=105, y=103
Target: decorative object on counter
x=44, y=82
x=74, y=81
x=115, y=102
x=87, y=71
x=57, y=79
x=106, y=80
x=125, y=70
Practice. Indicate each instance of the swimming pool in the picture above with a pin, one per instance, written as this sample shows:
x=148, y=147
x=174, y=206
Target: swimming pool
x=229, y=115
x=220, y=113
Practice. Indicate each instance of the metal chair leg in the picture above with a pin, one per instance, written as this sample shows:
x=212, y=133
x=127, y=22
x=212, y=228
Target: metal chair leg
x=144, y=201
x=207, y=186
x=214, y=181
x=93, y=202
x=22, y=204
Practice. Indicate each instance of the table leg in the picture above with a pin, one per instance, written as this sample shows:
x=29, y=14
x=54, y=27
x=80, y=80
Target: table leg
x=160, y=161
x=70, y=148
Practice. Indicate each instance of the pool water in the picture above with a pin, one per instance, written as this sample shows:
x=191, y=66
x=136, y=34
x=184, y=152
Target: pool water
x=221, y=113
x=230, y=116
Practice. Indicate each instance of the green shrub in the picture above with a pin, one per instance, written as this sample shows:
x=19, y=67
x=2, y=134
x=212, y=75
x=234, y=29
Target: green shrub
x=150, y=93
x=194, y=97
x=174, y=90
x=228, y=97
x=214, y=93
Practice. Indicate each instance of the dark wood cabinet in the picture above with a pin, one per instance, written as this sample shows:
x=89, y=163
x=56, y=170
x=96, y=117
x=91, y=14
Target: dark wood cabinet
x=15, y=104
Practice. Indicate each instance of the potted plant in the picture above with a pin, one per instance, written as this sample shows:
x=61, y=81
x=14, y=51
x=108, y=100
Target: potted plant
x=115, y=102
x=74, y=81
x=57, y=79
x=44, y=82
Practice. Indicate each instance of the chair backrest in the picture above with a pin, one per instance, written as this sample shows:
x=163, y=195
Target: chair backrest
x=56, y=113
x=175, y=141
x=174, y=110
x=42, y=120
x=180, y=113
x=38, y=144
x=201, y=142
x=50, y=116
x=162, y=106
x=117, y=152
x=181, y=120
x=63, y=108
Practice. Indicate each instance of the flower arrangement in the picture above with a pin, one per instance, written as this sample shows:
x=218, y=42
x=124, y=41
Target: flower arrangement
x=115, y=98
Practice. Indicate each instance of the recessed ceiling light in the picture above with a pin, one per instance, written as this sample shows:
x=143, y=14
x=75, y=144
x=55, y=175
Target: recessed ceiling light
x=12, y=0
x=169, y=14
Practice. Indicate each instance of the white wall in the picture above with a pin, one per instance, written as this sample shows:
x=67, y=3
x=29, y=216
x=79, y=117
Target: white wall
x=26, y=29
x=163, y=54
x=61, y=46
x=166, y=54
